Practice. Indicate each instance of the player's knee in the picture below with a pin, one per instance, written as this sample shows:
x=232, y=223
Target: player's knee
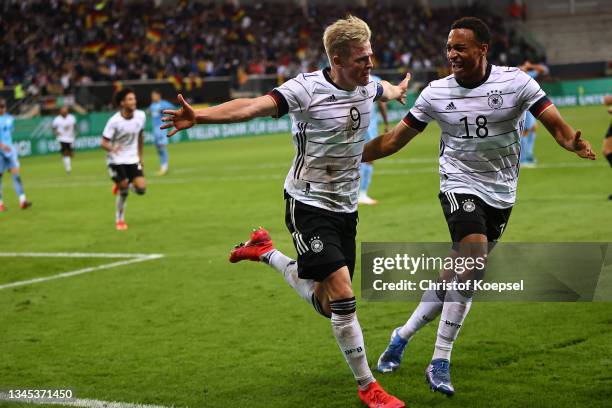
x=321, y=306
x=342, y=309
x=338, y=285
x=123, y=185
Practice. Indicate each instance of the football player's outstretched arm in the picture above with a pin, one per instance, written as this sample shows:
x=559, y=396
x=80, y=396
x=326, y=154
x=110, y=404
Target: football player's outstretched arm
x=391, y=92
x=564, y=134
x=237, y=110
x=388, y=143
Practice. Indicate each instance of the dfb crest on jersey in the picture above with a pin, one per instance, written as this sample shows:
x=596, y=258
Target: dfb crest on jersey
x=316, y=245
x=468, y=205
x=363, y=91
x=495, y=99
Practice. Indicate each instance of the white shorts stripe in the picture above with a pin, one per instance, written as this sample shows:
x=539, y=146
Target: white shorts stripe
x=303, y=243
x=452, y=200
x=449, y=200
x=299, y=241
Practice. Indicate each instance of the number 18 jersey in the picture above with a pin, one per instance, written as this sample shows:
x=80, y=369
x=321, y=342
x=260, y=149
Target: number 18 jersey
x=481, y=129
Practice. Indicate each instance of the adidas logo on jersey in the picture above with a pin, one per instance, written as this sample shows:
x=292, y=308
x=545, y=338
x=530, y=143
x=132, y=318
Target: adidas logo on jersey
x=331, y=98
x=450, y=106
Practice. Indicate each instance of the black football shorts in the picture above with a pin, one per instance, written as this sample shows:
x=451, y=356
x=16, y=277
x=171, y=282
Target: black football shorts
x=323, y=239
x=119, y=172
x=468, y=214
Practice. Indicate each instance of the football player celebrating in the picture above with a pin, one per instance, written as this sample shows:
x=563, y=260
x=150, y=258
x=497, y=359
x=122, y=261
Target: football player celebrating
x=330, y=111
x=478, y=108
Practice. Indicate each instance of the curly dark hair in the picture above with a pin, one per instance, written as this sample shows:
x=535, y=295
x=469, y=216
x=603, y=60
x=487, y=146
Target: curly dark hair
x=478, y=27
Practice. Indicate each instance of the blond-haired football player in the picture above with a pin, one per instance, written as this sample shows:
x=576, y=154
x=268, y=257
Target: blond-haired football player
x=330, y=112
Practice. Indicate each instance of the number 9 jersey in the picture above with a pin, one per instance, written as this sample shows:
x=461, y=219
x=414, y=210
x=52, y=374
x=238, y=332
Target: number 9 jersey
x=329, y=126
x=481, y=128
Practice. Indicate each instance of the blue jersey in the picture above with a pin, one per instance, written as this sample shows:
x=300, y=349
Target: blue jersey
x=373, y=128
x=6, y=129
x=156, y=110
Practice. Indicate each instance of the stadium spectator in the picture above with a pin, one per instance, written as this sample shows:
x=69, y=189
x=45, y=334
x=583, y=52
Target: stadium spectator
x=53, y=46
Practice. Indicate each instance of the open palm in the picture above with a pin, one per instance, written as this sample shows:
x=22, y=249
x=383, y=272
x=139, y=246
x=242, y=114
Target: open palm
x=179, y=119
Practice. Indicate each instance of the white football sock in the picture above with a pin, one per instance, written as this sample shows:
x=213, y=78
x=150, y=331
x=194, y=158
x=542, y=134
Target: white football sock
x=349, y=337
x=455, y=309
x=288, y=270
x=67, y=164
x=121, y=204
x=427, y=310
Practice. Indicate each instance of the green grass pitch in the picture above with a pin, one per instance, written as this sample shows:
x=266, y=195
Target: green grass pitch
x=190, y=329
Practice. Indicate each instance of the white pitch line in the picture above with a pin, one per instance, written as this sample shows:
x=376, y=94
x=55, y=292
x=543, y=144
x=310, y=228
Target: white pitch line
x=73, y=255
x=86, y=403
x=141, y=258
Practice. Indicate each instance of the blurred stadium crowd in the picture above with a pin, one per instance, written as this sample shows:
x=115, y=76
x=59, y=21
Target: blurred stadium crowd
x=50, y=46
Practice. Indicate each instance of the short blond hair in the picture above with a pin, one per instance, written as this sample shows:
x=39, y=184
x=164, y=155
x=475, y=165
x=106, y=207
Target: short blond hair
x=338, y=37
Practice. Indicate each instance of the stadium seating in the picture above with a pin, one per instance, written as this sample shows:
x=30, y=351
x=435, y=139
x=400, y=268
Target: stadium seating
x=102, y=41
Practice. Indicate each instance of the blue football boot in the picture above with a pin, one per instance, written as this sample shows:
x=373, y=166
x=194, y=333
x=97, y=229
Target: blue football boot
x=437, y=376
x=391, y=358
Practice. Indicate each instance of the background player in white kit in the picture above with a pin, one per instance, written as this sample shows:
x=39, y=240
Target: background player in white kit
x=330, y=112
x=64, y=128
x=123, y=139
x=479, y=108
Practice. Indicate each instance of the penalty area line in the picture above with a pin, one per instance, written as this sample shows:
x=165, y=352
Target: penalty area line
x=78, y=402
x=135, y=258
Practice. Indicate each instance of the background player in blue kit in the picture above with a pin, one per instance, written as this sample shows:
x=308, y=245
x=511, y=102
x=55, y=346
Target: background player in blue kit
x=8, y=157
x=157, y=106
x=366, y=169
x=529, y=130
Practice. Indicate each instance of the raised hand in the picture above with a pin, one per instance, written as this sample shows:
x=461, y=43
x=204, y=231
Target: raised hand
x=403, y=86
x=582, y=147
x=180, y=119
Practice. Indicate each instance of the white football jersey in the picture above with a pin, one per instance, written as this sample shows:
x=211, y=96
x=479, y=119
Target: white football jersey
x=481, y=129
x=64, y=126
x=329, y=127
x=124, y=133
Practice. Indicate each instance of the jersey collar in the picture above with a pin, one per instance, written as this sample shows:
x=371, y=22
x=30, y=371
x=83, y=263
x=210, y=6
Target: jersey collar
x=326, y=72
x=477, y=84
